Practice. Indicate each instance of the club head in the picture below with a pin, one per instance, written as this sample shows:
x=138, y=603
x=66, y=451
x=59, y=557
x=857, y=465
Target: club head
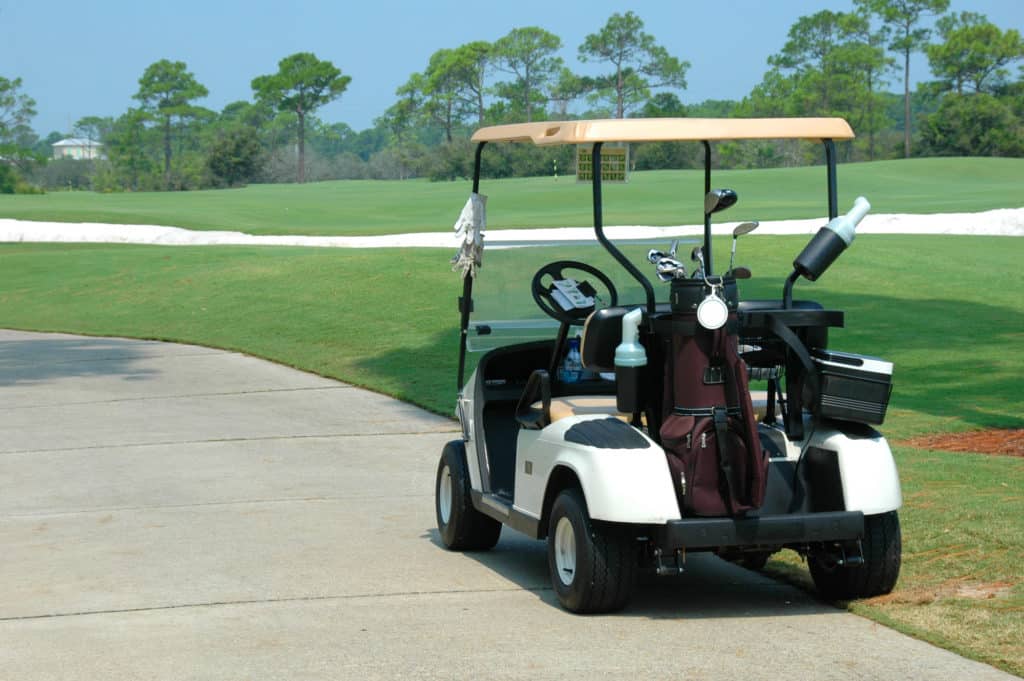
x=669, y=269
x=741, y=273
x=718, y=200
x=654, y=255
x=697, y=255
x=745, y=228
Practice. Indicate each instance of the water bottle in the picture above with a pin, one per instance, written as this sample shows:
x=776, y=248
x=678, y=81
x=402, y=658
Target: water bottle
x=630, y=365
x=572, y=365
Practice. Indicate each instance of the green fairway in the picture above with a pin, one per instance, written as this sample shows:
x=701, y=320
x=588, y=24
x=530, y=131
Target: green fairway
x=653, y=198
x=947, y=310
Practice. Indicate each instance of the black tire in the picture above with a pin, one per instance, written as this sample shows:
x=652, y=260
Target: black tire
x=882, y=547
x=461, y=526
x=592, y=565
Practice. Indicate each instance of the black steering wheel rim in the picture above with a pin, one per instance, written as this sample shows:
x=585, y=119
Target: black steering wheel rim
x=542, y=297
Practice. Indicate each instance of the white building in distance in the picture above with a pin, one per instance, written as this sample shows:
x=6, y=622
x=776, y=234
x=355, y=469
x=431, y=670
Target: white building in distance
x=78, y=148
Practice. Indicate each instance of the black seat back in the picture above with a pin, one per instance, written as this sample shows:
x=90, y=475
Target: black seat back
x=602, y=333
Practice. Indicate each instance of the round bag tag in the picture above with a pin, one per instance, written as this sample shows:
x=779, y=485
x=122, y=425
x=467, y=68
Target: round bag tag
x=712, y=313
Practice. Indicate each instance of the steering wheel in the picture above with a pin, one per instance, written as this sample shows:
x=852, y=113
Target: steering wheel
x=542, y=294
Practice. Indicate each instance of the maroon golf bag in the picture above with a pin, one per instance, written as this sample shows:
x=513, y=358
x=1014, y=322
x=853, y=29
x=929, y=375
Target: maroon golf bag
x=708, y=428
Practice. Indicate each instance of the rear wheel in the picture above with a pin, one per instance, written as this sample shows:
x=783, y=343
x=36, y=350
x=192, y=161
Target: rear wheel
x=592, y=564
x=882, y=549
x=462, y=527
x=755, y=560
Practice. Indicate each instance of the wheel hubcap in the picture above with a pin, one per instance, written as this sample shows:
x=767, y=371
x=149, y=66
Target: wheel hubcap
x=565, y=551
x=444, y=495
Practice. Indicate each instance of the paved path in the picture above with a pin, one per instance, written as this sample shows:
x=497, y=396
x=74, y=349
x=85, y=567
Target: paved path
x=177, y=512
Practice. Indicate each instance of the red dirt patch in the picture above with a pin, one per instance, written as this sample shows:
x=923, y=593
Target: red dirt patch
x=951, y=588
x=1002, y=442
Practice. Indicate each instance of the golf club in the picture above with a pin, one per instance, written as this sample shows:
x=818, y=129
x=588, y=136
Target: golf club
x=718, y=200
x=697, y=255
x=741, y=229
x=669, y=269
x=741, y=273
x=654, y=255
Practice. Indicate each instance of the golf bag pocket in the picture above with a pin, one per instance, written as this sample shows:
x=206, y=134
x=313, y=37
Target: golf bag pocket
x=708, y=428
x=713, y=471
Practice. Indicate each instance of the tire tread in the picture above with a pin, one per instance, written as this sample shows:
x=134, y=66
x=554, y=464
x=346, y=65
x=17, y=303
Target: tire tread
x=882, y=546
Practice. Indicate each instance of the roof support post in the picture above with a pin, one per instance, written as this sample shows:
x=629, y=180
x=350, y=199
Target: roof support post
x=466, y=301
x=830, y=163
x=707, y=216
x=608, y=245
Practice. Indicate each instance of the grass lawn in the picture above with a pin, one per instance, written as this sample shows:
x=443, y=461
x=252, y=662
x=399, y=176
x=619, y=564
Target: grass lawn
x=931, y=185
x=946, y=310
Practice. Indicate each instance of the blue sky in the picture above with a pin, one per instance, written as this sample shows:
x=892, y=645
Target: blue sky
x=79, y=59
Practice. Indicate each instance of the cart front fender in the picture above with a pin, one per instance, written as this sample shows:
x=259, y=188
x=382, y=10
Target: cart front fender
x=621, y=484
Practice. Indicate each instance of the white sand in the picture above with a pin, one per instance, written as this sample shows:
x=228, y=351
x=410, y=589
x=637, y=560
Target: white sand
x=1002, y=222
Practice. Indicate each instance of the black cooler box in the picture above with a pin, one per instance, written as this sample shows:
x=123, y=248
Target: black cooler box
x=853, y=387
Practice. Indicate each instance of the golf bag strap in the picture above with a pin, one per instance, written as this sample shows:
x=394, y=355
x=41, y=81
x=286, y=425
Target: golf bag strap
x=707, y=411
x=721, y=418
x=794, y=421
x=787, y=336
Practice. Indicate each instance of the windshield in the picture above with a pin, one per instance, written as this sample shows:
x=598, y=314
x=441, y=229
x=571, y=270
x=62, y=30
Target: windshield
x=504, y=311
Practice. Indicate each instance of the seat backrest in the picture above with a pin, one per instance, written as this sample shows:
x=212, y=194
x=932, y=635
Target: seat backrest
x=602, y=333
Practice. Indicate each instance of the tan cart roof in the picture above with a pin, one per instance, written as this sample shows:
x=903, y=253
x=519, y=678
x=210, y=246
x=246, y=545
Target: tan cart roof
x=666, y=130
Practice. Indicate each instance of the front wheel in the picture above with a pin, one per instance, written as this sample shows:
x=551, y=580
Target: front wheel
x=882, y=550
x=592, y=565
x=461, y=526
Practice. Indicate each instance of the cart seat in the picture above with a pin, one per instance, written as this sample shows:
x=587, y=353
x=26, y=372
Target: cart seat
x=585, y=405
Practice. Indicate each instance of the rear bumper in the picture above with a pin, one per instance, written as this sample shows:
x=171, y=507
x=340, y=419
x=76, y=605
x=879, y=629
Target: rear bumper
x=772, y=530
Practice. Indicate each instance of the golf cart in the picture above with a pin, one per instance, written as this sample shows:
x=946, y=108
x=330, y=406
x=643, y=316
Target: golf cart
x=623, y=429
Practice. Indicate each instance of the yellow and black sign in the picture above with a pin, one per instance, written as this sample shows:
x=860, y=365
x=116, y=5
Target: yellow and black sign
x=614, y=164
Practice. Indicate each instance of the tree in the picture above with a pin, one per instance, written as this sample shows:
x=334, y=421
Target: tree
x=301, y=85
x=640, y=63
x=95, y=128
x=234, y=158
x=810, y=53
x=16, y=112
x=399, y=121
x=973, y=53
x=869, y=58
x=442, y=86
x=166, y=91
x=469, y=64
x=566, y=88
x=664, y=105
x=903, y=17
x=126, y=144
x=976, y=124
x=529, y=55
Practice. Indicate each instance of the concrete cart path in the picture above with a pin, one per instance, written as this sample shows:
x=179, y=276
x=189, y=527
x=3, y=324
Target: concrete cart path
x=177, y=512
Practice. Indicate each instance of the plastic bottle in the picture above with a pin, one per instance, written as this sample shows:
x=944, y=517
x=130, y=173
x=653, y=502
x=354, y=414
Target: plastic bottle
x=845, y=226
x=630, y=360
x=572, y=366
x=830, y=241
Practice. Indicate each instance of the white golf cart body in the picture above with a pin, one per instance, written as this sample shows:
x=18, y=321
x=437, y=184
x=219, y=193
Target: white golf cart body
x=825, y=477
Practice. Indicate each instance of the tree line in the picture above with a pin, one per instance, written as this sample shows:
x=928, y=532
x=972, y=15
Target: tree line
x=832, y=64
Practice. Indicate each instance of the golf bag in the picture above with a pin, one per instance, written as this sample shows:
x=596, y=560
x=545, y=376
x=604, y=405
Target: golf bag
x=708, y=428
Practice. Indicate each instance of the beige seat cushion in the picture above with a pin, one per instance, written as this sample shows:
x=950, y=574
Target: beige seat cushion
x=579, y=405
